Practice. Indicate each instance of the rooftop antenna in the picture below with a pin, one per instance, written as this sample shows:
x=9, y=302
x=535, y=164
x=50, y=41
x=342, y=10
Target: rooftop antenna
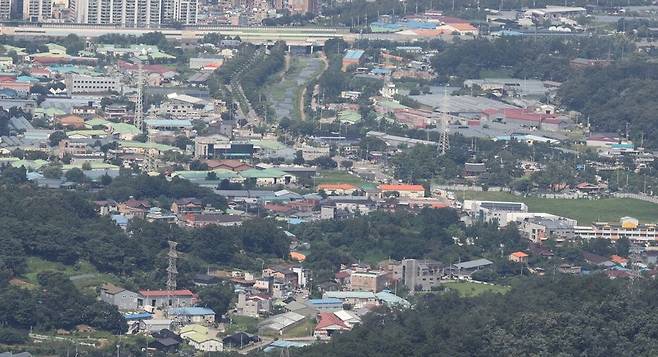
x=444, y=141
x=171, y=269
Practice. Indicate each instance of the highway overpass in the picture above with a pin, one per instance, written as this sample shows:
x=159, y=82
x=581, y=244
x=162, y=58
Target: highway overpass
x=295, y=36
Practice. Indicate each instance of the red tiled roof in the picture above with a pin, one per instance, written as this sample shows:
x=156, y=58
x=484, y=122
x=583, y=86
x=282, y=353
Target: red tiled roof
x=164, y=293
x=523, y=114
x=336, y=186
x=401, y=187
x=519, y=254
x=326, y=319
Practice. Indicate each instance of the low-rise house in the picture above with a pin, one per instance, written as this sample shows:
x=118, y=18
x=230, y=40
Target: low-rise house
x=253, y=305
x=357, y=299
x=155, y=325
x=325, y=304
x=198, y=337
x=279, y=324
x=165, y=298
x=192, y=314
x=184, y=206
x=105, y=207
x=240, y=340
x=328, y=325
x=133, y=208
x=337, y=188
x=196, y=220
x=373, y=281
x=407, y=191
x=121, y=298
x=471, y=266
x=519, y=257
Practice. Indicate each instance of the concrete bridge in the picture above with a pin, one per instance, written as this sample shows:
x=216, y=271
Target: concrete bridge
x=293, y=36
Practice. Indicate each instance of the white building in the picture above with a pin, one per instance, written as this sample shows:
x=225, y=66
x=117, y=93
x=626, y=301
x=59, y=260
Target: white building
x=183, y=106
x=37, y=10
x=76, y=83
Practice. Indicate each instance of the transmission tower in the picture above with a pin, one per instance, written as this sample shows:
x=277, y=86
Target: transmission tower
x=171, y=269
x=444, y=141
x=139, y=105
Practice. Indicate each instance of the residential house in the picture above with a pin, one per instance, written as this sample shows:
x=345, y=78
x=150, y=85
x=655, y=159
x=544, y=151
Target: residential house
x=232, y=165
x=357, y=299
x=329, y=325
x=198, y=337
x=151, y=299
x=471, y=266
x=121, y=298
x=195, y=220
x=374, y=281
x=240, y=340
x=519, y=257
x=183, y=206
x=281, y=323
x=192, y=314
x=406, y=191
x=417, y=274
x=133, y=208
x=337, y=188
x=154, y=325
x=253, y=305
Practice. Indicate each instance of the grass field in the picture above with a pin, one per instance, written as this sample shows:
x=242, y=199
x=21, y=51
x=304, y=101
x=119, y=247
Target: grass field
x=242, y=323
x=469, y=289
x=336, y=176
x=585, y=211
x=83, y=274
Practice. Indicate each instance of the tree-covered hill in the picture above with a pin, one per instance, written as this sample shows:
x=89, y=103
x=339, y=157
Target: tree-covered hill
x=549, y=316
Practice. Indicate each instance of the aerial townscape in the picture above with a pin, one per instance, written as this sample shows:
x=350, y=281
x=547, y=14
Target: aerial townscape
x=328, y=178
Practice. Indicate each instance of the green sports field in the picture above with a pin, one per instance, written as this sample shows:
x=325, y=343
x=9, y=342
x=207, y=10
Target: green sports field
x=585, y=211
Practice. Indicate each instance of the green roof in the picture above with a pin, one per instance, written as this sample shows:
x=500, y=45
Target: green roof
x=95, y=122
x=49, y=111
x=123, y=128
x=95, y=165
x=19, y=50
x=266, y=173
x=87, y=133
x=140, y=145
x=391, y=104
x=268, y=144
x=194, y=328
x=29, y=164
x=222, y=174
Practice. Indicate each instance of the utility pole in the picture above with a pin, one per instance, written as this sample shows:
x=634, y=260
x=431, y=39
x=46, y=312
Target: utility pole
x=444, y=140
x=139, y=104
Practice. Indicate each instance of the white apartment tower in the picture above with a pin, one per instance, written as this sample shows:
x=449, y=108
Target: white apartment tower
x=5, y=9
x=186, y=11
x=136, y=13
x=37, y=10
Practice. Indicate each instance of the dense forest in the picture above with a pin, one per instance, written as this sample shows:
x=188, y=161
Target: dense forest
x=62, y=226
x=616, y=96
x=540, y=316
x=430, y=233
x=540, y=58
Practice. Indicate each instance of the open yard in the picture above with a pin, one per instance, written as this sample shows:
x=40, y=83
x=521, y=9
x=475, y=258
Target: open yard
x=336, y=176
x=242, y=323
x=585, y=211
x=469, y=289
x=83, y=274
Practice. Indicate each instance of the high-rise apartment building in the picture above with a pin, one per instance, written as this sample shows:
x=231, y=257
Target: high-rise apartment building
x=5, y=9
x=136, y=13
x=37, y=10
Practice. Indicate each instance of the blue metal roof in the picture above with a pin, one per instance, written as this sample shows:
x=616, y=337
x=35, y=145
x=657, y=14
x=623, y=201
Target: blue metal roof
x=354, y=54
x=191, y=311
x=327, y=301
x=138, y=316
